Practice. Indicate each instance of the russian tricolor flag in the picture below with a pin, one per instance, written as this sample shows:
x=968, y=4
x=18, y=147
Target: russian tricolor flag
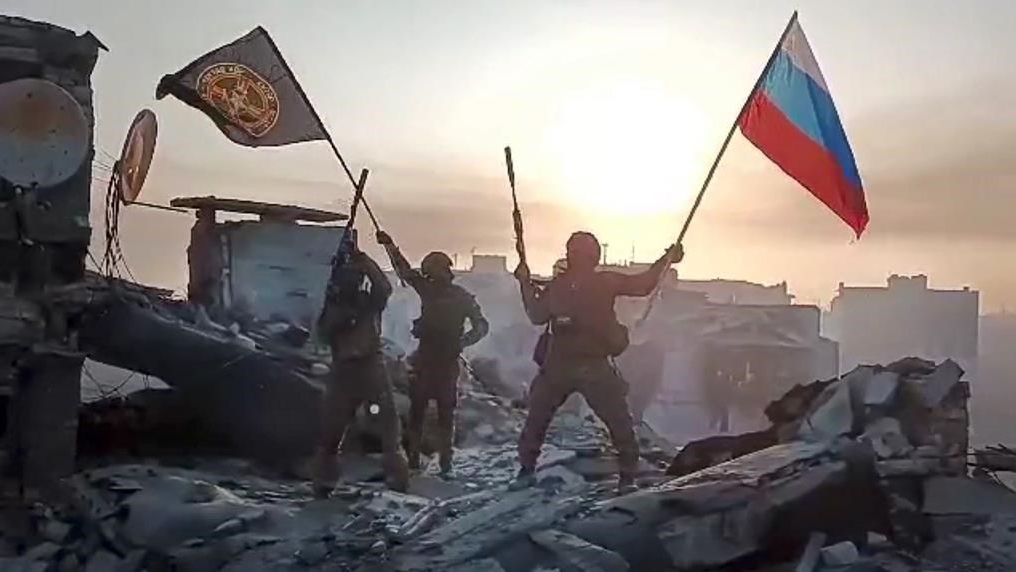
x=791, y=118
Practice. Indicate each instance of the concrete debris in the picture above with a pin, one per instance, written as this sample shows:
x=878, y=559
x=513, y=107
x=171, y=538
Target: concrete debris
x=480, y=565
x=812, y=552
x=886, y=437
x=935, y=386
x=957, y=495
x=881, y=389
x=833, y=418
x=840, y=554
x=577, y=553
x=853, y=458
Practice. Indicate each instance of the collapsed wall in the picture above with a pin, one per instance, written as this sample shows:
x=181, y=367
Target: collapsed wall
x=44, y=236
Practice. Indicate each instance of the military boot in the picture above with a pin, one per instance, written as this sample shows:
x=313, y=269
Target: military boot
x=626, y=484
x=524, y=480
x=446, y=466
x=325, y=471
x=396, y=472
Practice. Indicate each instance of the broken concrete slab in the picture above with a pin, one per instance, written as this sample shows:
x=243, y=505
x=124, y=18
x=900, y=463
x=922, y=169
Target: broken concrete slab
x=478, y=565
x=957, y=495
x=577, y=553
x=812, y=553
x=840, y=554
x=833, y=418
x=717, y=449
x=881, y=389
x=933, y=387
x=600, y=468
x=911, y=366
x=887, y=439
x=716, y=516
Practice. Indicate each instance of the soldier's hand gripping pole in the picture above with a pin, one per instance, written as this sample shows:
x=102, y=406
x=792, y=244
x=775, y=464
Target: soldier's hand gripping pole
x=520, y=246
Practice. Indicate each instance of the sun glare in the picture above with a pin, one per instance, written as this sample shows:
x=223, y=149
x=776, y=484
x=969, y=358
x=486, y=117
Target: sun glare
x=625, y=149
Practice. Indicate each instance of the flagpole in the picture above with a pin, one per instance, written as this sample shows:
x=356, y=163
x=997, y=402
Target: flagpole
x=321, y=124
x=716, y=161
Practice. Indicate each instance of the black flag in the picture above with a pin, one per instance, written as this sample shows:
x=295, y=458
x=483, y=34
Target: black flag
x=250, y=93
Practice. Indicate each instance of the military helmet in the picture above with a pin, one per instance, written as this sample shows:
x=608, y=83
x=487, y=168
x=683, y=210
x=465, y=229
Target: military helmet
x=435, y=264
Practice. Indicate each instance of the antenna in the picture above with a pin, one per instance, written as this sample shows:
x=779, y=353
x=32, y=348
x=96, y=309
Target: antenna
x=44, y=136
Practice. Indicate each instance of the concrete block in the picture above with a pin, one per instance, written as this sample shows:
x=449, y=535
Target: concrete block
x=881, y=389
x=886, y=437
x=841, y=554
x=934, y=387
x=831, y=419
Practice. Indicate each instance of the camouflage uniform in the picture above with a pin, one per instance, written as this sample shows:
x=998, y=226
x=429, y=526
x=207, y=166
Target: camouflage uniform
x=434, y=367
x=351, y=321
x=584, y=333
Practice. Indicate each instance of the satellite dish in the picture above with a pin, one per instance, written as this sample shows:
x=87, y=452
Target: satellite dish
x=136, y=157
x=44, y=135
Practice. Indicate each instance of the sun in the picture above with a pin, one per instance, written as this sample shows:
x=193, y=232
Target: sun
x=625, y=148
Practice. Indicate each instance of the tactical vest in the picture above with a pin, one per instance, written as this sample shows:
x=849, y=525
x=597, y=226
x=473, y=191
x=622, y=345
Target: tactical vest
x=583, y=319
x=443, y=314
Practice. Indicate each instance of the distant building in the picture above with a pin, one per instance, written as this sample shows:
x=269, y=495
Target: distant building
x=636, y=267
x=905, y=318
x=720, y=291
x=489, y=264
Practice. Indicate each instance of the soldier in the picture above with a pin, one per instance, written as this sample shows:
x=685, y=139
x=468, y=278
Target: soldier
x=584, y=333
x=351, y=323
x=445, y=307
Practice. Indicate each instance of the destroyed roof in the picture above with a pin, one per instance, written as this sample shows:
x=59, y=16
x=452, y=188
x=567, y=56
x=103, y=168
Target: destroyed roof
x=265, y=210
x=13, y=22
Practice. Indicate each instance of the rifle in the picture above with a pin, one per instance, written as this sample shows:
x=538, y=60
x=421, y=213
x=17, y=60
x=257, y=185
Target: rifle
x=520, y=246
x=341, y=257
x=332, y=315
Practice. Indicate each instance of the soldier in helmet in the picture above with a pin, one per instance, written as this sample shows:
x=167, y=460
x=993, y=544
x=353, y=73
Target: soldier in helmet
x=351, y=324
x=577, y=306
x=434, y=367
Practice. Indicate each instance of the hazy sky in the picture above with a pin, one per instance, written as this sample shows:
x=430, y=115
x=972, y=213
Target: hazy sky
x=614, y=110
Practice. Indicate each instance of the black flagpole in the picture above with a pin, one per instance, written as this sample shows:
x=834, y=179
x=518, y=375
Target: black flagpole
x=321, y=124
x=716, y=162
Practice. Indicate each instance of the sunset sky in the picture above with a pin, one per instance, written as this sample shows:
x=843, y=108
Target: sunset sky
x=614, y=110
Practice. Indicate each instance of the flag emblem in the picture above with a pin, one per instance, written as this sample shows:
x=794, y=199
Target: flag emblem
x=247, y=89
x=240, y=94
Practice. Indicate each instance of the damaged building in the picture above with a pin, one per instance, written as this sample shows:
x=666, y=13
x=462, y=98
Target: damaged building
x=873, y=324
x=44, y=238
x=273, y=268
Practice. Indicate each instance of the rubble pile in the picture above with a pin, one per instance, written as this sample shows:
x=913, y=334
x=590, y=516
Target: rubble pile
x=866, y=472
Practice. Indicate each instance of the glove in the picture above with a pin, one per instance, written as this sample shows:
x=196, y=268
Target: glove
x=676, y=253
x=522, y=272
x=384, y=239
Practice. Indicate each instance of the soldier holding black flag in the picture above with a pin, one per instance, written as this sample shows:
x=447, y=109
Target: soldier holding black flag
x=250, y=93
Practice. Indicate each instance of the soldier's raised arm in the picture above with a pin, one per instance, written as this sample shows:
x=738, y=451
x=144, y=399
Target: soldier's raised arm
x=478, y=325
x=643, y=283
x=533, y=300
x=403, y=269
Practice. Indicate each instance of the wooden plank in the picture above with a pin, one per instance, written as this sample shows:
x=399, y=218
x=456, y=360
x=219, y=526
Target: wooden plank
x=265, y=210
